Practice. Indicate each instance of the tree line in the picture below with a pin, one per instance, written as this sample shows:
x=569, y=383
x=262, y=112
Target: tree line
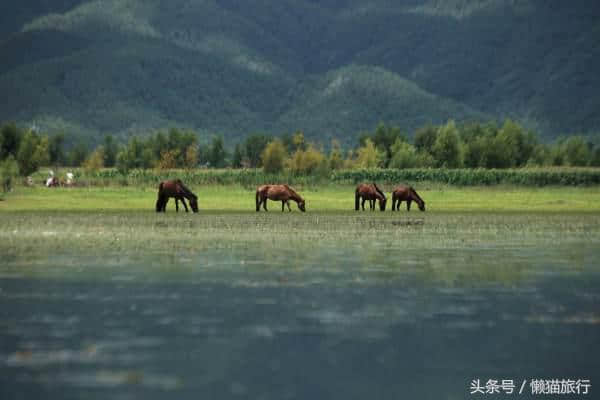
x=450, y=145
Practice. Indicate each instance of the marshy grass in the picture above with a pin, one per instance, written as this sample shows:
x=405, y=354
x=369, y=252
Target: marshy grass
x=492, y=232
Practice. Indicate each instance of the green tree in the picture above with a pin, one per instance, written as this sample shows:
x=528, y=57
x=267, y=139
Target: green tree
x=134, y=155
x=367, y=156
x=471, y=131
x=425, y=138
x=33, y=153
x=10, y=139
x=253, y=148
x=111, y=149
x=56, y=149
x=237, y=158
x=159, y=143
x=405, y=155
x=595, y=157
x=576, y=151
x=499, y=152
x=556, y=155
x=288, y=142
x=9, y=170
x=446, y=149
x=191, y=156
x=514, y=146
x=217, y=154
x=383, y=138
x=474, y=151
x=540, y=156
x=476, y=138
x=336, y=157
x=77, y=154
x=42, y=151
x=175, y=139
x=273, y=156
x=298, y=141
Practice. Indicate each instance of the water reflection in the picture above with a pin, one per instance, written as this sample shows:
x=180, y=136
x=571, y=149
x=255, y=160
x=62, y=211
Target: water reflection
x=354, y=322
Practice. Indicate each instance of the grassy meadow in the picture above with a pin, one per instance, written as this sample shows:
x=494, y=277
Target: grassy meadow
x=111, y=220
x=319, y=199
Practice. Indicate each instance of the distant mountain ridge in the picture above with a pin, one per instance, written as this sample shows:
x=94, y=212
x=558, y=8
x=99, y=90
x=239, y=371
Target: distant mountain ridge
x=331, y=68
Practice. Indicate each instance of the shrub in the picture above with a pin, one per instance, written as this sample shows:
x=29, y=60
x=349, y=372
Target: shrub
x=95, y=161
x=368, y=156
x=168, y=159
x=306, y=162
x=273, y=157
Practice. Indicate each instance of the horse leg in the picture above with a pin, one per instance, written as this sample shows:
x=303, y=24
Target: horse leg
x=288, y=204
x=184, y=205
x=408, y=205
x=265, y=204
x=393, y=204
x=363, y=203
x=372, y=204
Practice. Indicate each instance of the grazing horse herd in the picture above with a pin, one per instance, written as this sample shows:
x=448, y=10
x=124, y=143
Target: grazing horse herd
x=365, y=191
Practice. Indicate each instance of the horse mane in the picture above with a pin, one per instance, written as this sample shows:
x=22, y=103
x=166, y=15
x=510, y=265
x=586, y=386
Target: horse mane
x=296, y=195
x=414, y=193
x=379, y=190
x=187, y=192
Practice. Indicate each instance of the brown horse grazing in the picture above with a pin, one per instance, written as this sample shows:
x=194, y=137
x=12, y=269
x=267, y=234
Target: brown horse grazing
x=408, y=194
x=282, y=193
x=175, y=189
x=369, y=191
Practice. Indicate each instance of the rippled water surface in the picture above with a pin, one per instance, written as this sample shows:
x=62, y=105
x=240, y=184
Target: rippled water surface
x=401, y=314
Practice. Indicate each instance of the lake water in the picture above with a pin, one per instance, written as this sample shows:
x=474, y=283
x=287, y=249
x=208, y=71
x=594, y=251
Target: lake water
x=345, y=321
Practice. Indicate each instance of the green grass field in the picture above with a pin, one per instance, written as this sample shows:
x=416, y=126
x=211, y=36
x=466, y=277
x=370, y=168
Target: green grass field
x=105, y=221
x=318, y=199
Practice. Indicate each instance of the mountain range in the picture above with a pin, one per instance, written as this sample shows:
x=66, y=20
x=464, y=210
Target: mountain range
x=331, y=68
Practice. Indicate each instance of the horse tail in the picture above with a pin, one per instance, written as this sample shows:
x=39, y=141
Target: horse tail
x=257, y=200
x=159, y=201
x=356, y=200
x=379, y=190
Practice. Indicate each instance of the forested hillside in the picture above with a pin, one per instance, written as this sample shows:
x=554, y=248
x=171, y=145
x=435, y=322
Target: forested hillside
x=331, y=68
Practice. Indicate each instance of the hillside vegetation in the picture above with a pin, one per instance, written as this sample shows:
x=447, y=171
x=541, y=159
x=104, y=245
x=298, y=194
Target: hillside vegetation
x=330, y=68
